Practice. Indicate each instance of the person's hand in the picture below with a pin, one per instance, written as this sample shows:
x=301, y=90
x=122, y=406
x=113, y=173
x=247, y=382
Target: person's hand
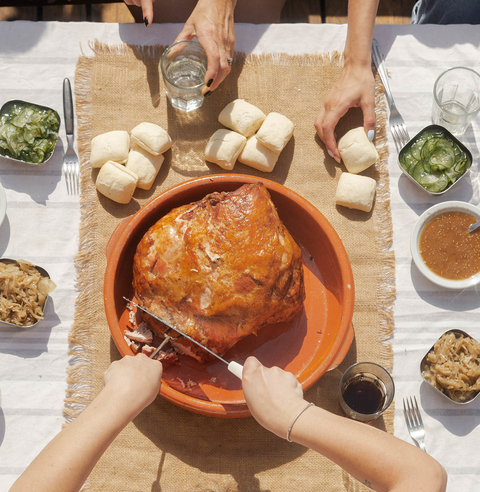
x=147, y=9
x=355, y=88
x=211, y=22
x=135, y=381
x=274, y=396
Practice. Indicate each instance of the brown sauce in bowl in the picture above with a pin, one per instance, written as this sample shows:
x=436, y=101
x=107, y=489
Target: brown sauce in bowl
x=448, y=249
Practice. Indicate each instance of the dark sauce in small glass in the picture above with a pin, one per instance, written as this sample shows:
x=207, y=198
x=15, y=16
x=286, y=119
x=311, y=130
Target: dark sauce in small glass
x=363, y=396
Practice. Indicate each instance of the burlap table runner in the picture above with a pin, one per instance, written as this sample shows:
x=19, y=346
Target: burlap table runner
x=167, y=448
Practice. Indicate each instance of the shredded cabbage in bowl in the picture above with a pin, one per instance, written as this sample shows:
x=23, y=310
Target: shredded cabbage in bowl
x=23, y=292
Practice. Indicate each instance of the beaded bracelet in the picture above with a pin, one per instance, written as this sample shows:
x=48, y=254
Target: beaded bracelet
x=295, y=419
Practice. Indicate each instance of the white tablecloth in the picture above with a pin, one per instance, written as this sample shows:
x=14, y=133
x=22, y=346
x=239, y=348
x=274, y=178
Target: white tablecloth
x=42, y=226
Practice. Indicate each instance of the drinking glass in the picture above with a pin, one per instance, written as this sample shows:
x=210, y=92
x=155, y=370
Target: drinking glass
x=184, y=65
x=456, y=99
x=366, y=391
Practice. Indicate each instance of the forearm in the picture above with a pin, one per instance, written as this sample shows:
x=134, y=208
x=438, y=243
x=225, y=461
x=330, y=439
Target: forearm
x=68, y=459
x=374, y=457
x=361, y=22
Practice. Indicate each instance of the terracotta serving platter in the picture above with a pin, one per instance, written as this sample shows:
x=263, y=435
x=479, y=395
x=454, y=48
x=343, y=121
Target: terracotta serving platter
x=315, y=342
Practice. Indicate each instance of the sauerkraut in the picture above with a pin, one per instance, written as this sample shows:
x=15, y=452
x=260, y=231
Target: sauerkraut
x=23, y=292
x=453, y=366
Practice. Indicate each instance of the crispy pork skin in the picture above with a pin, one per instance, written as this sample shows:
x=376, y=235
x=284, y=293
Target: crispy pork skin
x=219, y=269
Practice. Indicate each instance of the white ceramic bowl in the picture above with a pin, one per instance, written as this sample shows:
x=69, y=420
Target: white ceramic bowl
x=440, y=208
x=3, y=204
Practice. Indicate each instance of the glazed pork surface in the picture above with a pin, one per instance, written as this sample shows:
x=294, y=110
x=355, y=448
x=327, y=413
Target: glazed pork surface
x=219, y=269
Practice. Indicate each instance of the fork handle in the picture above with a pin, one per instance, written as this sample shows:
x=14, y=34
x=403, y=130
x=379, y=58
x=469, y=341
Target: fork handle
x=68, y=106
x=421, y=445
x=377, y=59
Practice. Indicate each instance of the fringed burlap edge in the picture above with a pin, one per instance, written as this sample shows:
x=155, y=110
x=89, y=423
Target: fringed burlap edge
x=386, y=289
x=80, y=371
x=79, y=392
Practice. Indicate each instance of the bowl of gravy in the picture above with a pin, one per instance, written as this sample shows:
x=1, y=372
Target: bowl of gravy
x=443, y=249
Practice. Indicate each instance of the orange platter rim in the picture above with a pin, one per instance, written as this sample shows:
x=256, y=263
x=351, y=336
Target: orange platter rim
x=135, y=226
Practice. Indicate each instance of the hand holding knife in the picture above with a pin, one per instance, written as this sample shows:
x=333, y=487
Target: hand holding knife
x=234, y=367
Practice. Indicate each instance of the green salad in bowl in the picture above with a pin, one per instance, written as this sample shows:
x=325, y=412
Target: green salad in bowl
x=435, y=159
x=28, y=132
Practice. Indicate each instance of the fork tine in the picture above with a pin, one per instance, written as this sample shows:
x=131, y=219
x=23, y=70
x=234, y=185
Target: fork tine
x=414, y=414
x=396, y=136
x=70, y=177
x=66, y=173
x=406, y=411
x=77, y=177
x=404, y=133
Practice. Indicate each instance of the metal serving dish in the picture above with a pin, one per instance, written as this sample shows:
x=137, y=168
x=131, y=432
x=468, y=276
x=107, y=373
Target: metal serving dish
x=43, y=273
x=7, y=107
x=423, y=363
x=431, y=129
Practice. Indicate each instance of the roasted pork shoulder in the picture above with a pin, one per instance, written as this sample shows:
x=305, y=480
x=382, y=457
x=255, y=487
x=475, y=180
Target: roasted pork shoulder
x=219, y=269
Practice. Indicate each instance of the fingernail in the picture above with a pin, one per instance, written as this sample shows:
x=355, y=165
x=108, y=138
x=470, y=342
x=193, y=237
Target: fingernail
x=370, y=135
x=330, y=153
x=145, y=21
x=337, y=159
x=210, y=82
x=207, y=93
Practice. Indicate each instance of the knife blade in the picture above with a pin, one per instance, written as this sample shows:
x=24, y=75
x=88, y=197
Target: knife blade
x=234, y=367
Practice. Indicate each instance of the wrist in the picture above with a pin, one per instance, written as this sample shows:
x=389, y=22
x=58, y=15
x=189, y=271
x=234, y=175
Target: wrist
x=119, y=403
x=294, y=420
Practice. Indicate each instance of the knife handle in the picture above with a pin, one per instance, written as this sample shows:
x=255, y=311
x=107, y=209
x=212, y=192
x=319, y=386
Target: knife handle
x=236, y=369
x=68, y=107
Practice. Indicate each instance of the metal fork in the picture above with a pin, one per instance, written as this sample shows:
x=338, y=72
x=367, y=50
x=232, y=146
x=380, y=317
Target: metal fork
x=414, y=422
x=397, y=123
x=71, y=164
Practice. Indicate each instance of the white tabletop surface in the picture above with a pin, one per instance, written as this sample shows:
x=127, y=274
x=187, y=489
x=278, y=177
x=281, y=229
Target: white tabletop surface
x=41, y=225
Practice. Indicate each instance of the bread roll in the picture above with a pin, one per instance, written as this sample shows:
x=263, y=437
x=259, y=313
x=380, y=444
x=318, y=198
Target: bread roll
x=355, y=191
x=144, y=165
x=275, y=132
x=256, y=155
x=116, y=182
x=242, y=117
x=357, y=152
x=224, y=147
x=110, y=146
x=151, y=137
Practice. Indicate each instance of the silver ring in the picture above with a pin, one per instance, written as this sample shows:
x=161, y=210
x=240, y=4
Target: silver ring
x=229, y=61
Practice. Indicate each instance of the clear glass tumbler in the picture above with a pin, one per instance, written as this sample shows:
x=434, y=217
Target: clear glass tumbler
x=184, y=65
x=366, y=391
x=456, y=99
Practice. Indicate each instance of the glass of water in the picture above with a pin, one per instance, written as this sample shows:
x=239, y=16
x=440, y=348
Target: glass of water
x=184, y=65
x=366, y=391
x=456, y=99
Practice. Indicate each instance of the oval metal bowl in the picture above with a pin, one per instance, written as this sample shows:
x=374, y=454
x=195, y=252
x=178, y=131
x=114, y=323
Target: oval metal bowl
x=409, y=144
x=423, y=363
x=315, y=342
x=5, y=108
x=3, y=204
x=43, y=273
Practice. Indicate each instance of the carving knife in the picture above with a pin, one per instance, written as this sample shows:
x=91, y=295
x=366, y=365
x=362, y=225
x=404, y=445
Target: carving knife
x=234, y=367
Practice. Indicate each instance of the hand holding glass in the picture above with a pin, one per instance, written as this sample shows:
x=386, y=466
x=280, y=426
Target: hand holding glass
x=184, y=65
